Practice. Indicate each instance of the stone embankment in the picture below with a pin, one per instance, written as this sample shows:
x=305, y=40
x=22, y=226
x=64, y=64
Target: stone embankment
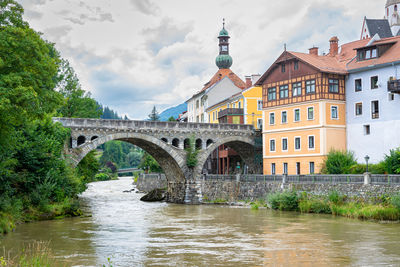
x=234, y=188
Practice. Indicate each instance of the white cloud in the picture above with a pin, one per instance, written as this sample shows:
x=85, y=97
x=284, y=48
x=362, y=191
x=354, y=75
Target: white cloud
x=135, y=54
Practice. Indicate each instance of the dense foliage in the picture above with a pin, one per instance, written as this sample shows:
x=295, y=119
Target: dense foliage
x=338, y=162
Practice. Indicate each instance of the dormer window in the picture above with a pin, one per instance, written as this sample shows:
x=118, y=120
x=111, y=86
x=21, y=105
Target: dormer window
x=283, y=68
x=368, y=53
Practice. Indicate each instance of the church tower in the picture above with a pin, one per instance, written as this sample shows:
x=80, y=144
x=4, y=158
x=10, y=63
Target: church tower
x=223, y=60
x=392, y=15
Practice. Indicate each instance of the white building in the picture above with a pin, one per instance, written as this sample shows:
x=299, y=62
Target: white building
x=373, y=98
x=222, y=85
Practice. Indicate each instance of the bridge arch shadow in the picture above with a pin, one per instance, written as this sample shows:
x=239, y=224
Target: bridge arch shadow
x=170, y=159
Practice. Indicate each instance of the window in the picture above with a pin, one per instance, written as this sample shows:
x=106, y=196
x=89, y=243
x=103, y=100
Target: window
x=284, y=144
x=273, y=169
x=271, y=93
x=234, y=105
x=312, y=167
x=272, y=145
x=228, y=106
x=296, y=87
x=214, y=116
x=367, y=130
x=296, y=65
x=298, y=168
x=310, y=113
x=197, y=119
x=285, y=168
x=283, y=68
x=375, y=109
x=358, y=109
x=260, y=104
x=311, y=142
x=271, y=118
x=333, y=85
x=310, y=87
x=259, y=124
x=395, y=7
x=240, y=104
x=391, y=97
x=374, y=82
x=297, y=115
x=197, y=104
x=202, y=117
x=284, y=117
x=358, y=85
x=297, y=143
x=284, y=91
x=334, y=112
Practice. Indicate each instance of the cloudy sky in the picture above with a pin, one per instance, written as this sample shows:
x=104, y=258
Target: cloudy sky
x=133, y=54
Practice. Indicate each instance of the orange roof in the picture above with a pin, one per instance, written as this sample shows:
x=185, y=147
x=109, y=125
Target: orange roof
x=323, y=63
x=222, y=73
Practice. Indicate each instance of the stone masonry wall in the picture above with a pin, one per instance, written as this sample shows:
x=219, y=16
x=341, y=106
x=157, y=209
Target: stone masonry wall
x=151, y=182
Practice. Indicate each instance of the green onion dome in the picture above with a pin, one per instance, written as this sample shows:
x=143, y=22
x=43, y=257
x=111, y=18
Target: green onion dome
x=224, y=61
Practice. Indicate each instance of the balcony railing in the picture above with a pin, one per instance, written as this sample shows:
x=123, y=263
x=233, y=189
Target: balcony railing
x=394, y=86
x=230, y=111
x=375, y=115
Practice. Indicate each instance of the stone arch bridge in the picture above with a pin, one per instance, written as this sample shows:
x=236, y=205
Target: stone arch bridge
x=166, y=142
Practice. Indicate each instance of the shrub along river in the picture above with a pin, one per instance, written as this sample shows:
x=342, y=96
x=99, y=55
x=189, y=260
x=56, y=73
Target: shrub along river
x=135, y=233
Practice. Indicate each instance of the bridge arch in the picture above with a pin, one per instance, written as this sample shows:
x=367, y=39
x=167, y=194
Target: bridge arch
x=171, y=160
x=244, y=146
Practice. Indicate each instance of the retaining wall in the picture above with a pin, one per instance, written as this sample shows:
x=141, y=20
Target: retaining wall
x=148, y=182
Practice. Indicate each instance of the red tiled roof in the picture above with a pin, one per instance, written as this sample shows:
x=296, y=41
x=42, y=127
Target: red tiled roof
x=222, y=73
x=391, y=55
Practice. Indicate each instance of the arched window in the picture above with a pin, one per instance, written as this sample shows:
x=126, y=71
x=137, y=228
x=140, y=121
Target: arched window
x=175, y=142
x=209, y=142
x=165, y=140
x=94, y=137
x=186, y=143
x=199, y=143
x=395, y=7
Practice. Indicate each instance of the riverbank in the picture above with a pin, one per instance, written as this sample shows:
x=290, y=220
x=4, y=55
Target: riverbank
x=385, y=208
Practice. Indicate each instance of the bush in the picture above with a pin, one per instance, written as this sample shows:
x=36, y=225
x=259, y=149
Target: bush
x=287, y=201
x=378, y=168
x=338, y=162
x=102, y=177
x=335, y=197
x=314, y=206
x=396, y=201
x=392, y=161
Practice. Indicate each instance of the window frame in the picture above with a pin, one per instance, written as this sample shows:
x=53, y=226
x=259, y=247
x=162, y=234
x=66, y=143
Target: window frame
x=374, y=86
x=287, y=144
x=273, y=115
x=355, y=85
x=286, y=117
x=296, y=87
x=367, y=129
x=273, y=168
x=355, y=109
x=311, y=85
x=312, y=170
x=374, y=115
x=313, y=138
x=333, y=84
x=285, y=168
x=284, y=88
x=259, y=126
x=294, y=115
x=258, y=105
x=296, y=65
x=295, y=147
x=271, y=92
x=308, y=113
x=337, y=112
x=274, y=141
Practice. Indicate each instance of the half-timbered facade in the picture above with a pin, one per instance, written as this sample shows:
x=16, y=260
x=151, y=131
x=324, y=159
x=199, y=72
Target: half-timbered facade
x=303, y=110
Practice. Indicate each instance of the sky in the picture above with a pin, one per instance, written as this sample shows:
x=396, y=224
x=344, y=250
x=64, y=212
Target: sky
x=134, y=54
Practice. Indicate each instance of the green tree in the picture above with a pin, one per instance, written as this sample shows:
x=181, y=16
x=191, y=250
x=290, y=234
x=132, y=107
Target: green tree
x=11, y=14
x=338, y=162
x=154, y=116
x=149, y=164
x=112, y=153
x=171, y=118
x=392, y=161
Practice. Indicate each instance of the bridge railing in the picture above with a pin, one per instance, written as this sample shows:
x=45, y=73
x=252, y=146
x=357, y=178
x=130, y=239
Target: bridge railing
x=309, y=179
x=134, y=124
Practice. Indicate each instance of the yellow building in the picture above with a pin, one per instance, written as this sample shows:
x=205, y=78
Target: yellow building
x=303, y=111
x=232, y=107
x=252, y=98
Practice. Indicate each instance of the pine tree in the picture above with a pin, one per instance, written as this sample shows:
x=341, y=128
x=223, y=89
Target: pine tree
x=154, y=116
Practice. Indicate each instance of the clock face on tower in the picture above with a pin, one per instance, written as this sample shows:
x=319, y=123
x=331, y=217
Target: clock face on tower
x=224, y=48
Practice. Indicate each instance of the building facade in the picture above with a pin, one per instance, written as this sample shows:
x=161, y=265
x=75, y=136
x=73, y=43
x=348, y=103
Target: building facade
x=304, y=110
x=373, y=99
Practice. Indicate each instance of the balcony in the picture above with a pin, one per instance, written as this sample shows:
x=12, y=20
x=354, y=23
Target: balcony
x=394, y=86
x=230, y=112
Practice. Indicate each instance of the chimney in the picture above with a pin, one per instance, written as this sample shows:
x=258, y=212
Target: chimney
x=313, y=51
x=249, y=83
x=255, y=78
x=334, y=49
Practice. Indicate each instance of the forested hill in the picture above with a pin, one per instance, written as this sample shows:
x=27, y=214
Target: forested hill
x=174, y=112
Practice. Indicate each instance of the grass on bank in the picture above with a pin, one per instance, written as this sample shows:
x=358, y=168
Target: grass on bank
x=383, y=209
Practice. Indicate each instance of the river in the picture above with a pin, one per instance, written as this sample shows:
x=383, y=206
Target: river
x=135, y=233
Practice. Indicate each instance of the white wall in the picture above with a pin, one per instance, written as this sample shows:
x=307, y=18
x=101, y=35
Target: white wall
x=385, y=131
x=221, y=91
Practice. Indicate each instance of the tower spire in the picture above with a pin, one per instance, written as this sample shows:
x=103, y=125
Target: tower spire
x=223, y=23
x=223, y=60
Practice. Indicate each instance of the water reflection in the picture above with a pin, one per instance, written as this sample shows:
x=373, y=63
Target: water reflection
x=135, y=233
